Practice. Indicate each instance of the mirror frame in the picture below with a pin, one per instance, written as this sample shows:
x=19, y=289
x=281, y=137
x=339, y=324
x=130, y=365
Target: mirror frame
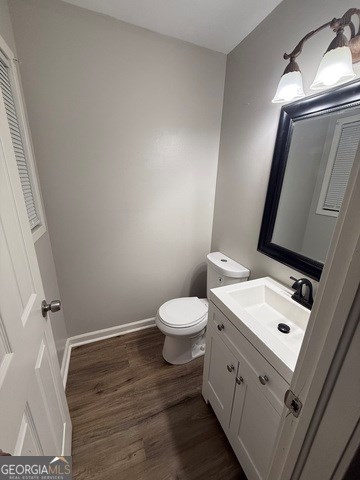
x=344, y=96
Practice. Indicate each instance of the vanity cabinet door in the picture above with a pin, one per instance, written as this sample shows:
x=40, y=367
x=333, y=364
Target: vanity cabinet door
x=220, y=371
x=254, y=425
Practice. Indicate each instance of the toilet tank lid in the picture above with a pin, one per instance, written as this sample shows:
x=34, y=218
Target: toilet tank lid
x=226, y=266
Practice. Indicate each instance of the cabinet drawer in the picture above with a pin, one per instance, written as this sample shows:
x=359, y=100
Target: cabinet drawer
x=222, y=326
x=275, y=386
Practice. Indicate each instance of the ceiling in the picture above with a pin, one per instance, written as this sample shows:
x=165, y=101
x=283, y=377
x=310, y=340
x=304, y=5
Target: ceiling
x=216, y=24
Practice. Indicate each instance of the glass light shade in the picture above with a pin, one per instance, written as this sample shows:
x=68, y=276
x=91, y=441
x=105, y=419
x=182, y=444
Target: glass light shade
x=290, y=88
x=335, y=68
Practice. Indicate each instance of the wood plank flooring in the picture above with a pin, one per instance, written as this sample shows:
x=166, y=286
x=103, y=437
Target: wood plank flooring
x=137, y=418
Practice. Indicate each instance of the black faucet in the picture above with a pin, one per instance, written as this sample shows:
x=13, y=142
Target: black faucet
x=305, y=299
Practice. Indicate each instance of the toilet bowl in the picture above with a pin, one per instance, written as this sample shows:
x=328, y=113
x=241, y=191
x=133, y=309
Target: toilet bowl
x=183, y=322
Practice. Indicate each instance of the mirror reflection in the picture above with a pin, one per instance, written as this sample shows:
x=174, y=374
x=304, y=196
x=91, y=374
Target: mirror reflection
x=320, y=157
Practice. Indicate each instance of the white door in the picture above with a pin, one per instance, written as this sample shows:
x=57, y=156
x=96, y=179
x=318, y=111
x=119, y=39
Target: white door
x=34, y=416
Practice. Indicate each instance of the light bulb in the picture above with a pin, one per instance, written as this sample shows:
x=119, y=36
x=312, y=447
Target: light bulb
x=290, y=88
x=335, y=68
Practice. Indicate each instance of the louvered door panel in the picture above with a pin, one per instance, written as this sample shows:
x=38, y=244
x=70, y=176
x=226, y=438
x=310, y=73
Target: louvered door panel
x=25, y=175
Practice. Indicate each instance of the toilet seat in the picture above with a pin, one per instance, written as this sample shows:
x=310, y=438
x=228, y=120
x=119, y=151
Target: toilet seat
x=183, y=312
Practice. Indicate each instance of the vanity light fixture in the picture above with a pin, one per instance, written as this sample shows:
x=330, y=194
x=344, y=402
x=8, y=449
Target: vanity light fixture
x=335, y=67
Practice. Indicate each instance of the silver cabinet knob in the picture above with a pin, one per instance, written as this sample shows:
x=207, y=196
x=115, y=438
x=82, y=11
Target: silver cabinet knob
x=239, y=380
x=53, y=306
x=263, y=379
x=230, y=368
x=221, y=327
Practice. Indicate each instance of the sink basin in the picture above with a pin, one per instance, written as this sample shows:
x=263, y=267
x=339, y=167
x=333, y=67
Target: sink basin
x=257, y=308
x=269, y=306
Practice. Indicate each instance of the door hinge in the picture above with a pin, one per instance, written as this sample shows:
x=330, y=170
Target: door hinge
x=293, y=403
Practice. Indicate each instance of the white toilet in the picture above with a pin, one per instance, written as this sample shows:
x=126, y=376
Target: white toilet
x=183, y=320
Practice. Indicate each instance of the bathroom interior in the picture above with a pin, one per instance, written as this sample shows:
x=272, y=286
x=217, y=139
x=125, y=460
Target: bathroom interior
x=179, y=234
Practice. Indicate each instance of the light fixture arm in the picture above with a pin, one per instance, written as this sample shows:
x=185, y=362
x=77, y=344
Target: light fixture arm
x=298, y=49
x=346, y=21
x=337, y=25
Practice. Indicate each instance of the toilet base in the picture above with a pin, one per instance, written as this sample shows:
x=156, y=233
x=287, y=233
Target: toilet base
x=180, y=350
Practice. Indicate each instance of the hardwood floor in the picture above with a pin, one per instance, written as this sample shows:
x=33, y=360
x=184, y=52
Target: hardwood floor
x=137, y=418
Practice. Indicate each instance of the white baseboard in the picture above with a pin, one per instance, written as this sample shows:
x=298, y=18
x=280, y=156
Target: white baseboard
x=97, y=335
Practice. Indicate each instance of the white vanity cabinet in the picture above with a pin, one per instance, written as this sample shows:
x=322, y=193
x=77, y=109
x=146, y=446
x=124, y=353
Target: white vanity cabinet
x=245, y=392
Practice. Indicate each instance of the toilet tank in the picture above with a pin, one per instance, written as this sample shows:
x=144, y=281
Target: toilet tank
x=222, y=270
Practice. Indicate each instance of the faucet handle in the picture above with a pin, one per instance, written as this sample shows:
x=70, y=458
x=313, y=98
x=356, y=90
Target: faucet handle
x=304, y=298
x=295, y=285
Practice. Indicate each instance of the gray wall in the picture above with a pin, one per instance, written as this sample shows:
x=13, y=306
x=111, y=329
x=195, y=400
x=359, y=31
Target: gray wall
x=126, y=129
x=42, y=246
x=250, y=123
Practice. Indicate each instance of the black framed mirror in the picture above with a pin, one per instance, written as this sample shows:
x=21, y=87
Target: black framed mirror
x=315, y=147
